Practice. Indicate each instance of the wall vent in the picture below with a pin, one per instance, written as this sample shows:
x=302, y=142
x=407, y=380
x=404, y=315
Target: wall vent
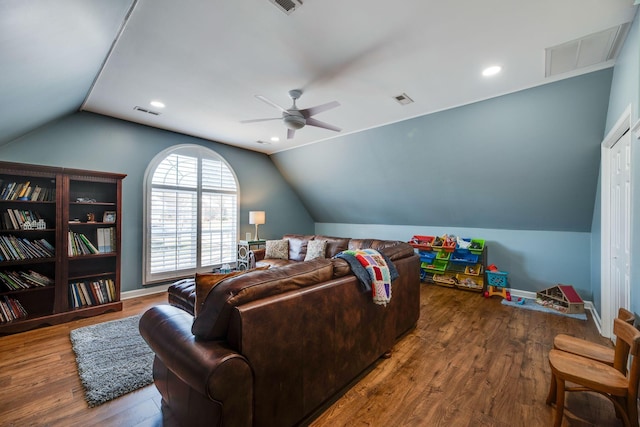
x=287, y=6
x=144, y=110
x=594, y=49
x=403, y=99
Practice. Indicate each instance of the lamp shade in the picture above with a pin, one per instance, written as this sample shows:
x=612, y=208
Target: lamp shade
x=257, y=217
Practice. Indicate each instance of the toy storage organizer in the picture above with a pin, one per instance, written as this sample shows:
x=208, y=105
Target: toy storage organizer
x=445, y=263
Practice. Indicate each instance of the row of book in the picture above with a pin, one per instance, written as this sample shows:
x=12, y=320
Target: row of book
x=13, y=219
x=26, y=191
x=18, y=248
x=80, y=244
x=16, y=280
x=11, y=309
x=87, y=293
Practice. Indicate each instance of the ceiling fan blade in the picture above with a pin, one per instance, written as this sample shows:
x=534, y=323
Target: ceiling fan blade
x=317, y=123
x=290, y=133
x=260, y=120
x=273, y=104
x=308, y=112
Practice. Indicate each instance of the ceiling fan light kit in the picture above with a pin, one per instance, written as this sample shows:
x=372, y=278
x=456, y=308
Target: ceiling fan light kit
x=294, y=118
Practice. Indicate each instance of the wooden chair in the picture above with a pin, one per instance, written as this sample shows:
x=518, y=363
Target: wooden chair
x=589, y=349
x=613, y=382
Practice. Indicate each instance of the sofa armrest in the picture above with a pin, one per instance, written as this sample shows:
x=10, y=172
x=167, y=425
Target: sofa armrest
x=208, y=367
x=259, y=253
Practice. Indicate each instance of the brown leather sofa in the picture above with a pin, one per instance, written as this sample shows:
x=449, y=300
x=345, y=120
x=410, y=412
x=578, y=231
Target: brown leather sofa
x=272, y=347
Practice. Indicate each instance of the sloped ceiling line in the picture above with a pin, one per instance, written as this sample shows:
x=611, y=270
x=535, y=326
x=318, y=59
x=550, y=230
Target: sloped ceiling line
x=134, y=3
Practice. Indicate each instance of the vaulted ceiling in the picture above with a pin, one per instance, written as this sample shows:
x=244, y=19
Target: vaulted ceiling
x=207, y=60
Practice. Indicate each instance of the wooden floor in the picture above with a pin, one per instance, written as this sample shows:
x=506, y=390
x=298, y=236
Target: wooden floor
x=470, y=362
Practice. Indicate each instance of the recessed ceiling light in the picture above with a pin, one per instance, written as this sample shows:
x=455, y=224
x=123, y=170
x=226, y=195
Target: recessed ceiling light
x=275, y=139
x=157, y=104
x=491, y=71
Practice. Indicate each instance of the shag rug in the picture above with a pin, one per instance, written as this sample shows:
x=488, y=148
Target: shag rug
x=113, y=359
x=531, y=304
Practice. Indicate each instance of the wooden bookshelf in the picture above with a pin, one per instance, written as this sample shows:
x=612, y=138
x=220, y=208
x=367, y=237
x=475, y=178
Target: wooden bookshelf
x=63, y=196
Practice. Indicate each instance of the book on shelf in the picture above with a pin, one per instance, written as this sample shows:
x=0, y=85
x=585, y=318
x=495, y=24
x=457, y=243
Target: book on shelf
x=79, y=244
x=26, y=191
x=11, y=309
x=20, y=248
x=91, y=292
x=106, y=240
x=16, y=280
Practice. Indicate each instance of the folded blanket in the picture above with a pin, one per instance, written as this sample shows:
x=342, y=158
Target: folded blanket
x=374, y=271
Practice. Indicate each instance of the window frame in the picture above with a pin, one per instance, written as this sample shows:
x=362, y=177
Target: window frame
x=199, y=152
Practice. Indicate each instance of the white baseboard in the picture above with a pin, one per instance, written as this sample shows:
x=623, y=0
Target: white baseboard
x=588, y=305
x=144, y=291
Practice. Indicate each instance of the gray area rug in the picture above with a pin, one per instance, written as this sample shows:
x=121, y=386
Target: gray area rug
x=113, y=359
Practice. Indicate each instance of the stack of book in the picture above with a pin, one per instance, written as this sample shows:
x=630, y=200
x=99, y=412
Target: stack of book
x=11, y=309
x=15, y=280
x=25, y=191
x=13, y=219
x=79, y=244
x=18, y=248
x=87, y=293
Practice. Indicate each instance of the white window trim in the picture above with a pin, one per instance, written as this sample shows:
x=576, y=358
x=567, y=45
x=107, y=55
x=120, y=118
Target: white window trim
x=147, y=278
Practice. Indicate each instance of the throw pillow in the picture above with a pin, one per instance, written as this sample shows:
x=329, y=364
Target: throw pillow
x=277, y=249
x=316, y=249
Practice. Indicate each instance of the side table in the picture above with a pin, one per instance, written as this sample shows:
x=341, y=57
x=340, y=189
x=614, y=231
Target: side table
x=244, y=246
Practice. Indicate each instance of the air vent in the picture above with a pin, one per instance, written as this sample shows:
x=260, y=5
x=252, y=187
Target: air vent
x=144, y=110
x=263, y=142
x=287, y=6
x=403, y=99
x=590, y=50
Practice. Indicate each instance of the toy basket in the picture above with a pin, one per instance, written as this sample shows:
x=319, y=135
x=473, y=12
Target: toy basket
x=497, y=278
x=427, y=256
x=422, y=242
x=477, y=246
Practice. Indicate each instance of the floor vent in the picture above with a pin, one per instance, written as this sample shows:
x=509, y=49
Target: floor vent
x=594, y=49
x=144, y=110
x=287, y=6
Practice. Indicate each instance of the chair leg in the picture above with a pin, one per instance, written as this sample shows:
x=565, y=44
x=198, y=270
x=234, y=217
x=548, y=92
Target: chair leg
x=551, y=397
x=559, y=402
x=632, y=411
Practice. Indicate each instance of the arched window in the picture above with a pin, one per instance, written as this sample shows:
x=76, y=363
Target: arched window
x=190, y=213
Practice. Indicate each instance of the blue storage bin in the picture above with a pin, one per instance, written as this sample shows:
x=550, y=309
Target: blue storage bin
x=462, y=257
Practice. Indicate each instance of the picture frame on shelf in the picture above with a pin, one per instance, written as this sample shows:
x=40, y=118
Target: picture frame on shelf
x=109, y=217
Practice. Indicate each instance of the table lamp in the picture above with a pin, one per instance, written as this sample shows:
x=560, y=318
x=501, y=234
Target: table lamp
x=257, y=218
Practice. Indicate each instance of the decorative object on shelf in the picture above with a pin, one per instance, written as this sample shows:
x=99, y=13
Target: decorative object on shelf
x=85, y=200
x=257, y=218
x=91, y=217
x=109, y=216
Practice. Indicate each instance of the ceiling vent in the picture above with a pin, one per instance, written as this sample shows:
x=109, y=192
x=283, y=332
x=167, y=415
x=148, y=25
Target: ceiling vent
x=403, y=99
x=590, y=50
x=144, y=110
x=287, y=6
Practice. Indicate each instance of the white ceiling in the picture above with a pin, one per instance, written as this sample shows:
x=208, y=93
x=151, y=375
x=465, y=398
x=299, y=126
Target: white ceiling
x=207, y=60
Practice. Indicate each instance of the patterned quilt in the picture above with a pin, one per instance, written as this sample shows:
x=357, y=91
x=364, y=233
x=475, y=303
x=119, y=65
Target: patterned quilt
x=377, y=269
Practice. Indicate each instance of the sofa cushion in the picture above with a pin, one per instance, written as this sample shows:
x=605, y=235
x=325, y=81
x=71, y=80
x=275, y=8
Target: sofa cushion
x=277, y=249
x=393, y=249
x=297, y=245
x=316, y=249
x=213, y=320
x=335, y=245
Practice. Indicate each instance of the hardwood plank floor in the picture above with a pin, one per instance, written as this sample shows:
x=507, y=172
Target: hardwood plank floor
x=471, y=361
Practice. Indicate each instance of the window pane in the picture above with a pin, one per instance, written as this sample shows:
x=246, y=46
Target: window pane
x=177, y=170
x=217, y=176
x=218, y=226
x=173, y=220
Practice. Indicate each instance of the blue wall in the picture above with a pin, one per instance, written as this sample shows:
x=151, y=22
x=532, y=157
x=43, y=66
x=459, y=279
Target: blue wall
x=94, y=142
x=625, y=91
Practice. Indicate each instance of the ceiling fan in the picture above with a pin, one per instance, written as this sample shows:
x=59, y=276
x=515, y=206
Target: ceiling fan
x=295, y=118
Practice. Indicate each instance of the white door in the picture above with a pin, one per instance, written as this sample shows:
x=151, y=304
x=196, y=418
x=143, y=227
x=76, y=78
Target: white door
x=616, y=286
x=620, y=222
